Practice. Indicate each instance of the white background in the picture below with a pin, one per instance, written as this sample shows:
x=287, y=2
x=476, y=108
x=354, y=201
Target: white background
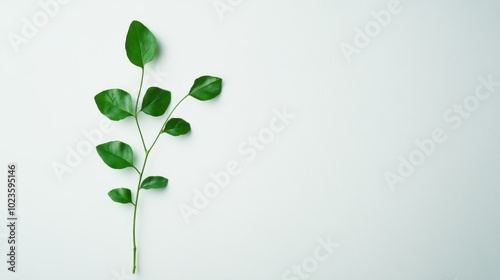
x=323, y=175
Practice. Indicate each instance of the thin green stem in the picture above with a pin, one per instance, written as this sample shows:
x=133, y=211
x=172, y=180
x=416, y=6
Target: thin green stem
x=137, y=111
x=141, y=173
x=138, y=172
x=135, y=211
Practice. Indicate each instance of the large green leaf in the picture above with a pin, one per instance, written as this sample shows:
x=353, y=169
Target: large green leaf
x=156, y=101
x=116, y=154
x=141, y=44
x=206, y=88
x=116, y=104
x=121, y=195
x=154, y=182
x=176, y=127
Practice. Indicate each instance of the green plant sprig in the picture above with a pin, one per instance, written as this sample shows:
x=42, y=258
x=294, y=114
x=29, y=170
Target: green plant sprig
x=116, y=104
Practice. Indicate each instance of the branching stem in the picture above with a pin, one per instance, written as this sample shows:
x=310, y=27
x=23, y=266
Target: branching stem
x=141, y=173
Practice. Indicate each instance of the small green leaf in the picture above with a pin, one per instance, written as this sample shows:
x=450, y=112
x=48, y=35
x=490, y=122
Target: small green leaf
x=156, y=101
x=206, y=88
x=176, y=127
x=141, y=44
x=116, y=104
x=116, y=154
x=121, y=195
x=154, y=182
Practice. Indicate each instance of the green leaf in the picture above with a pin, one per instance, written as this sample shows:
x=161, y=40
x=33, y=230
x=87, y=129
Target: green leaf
x=156, y=101
x=116, y=104
x=206, y=88
x=116, y=154
x=154, y=182
x=176, y=127
x=121, y=195
x=141, y=44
